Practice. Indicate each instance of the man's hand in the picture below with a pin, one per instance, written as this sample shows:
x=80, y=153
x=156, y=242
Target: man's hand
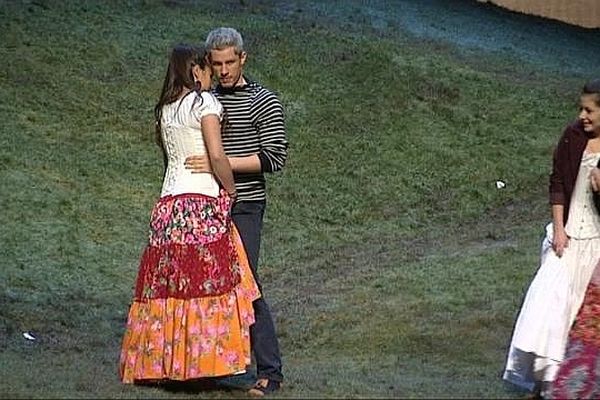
x=595, y=179
x=199, y=164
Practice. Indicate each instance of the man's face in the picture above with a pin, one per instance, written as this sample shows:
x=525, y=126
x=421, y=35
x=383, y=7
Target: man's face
x=227, y=66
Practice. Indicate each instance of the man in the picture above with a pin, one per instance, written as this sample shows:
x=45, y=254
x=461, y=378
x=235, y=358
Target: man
x=255, y=142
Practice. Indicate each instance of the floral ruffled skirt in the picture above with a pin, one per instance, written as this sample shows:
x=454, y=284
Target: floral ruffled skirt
x=579, y=374
x=192, y=306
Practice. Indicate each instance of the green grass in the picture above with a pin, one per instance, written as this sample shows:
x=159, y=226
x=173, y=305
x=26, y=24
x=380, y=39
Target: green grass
x=393, y=265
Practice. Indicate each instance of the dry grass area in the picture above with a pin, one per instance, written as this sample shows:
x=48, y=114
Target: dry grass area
x=585, y=13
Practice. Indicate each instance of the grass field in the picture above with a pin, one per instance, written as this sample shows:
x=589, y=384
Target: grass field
x=393, y=264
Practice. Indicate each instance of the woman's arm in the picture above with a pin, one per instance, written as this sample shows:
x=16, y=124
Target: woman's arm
x=558, y=197
x=560, y=241
x=211, y=131
x=247, y=164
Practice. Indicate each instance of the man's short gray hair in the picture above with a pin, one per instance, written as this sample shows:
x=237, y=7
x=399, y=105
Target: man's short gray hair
x=223, y=37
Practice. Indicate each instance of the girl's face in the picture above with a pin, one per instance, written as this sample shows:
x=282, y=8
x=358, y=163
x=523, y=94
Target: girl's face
x=589, y=113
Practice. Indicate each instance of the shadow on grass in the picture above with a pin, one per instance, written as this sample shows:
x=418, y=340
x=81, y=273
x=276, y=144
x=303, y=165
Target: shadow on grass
x=193, y=386
x=233, y=385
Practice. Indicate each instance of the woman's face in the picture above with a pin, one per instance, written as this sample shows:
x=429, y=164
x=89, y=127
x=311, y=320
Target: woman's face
x=589, y=113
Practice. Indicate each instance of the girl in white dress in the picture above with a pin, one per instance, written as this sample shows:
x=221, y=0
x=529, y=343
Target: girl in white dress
x=579, y=374
x=570, y=252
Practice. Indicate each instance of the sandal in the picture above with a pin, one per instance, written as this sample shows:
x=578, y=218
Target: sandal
x=264, y=386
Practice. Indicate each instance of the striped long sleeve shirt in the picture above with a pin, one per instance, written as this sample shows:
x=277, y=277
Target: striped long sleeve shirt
x=253, y=124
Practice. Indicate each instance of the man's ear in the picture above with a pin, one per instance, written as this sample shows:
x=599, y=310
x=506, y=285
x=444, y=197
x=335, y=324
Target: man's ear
x=243, y=57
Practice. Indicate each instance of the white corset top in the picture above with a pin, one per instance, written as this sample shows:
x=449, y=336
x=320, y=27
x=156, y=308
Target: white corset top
x=584, y=220
x=182, y=137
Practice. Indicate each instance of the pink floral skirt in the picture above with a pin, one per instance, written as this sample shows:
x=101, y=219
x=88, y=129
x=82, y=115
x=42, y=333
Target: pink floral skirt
x=579, y=373
x=192, y=306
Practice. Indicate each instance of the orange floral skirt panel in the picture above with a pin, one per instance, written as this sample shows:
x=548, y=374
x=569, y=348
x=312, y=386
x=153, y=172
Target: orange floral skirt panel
x=189, y=334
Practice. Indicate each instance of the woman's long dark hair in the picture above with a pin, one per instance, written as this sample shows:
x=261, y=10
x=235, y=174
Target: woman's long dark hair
x=179, y=77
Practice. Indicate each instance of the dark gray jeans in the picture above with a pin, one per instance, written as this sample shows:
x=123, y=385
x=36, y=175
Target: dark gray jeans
x=248, y=218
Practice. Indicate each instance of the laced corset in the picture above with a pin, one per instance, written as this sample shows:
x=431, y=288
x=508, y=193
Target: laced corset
x=182, y=137
x=584, y=220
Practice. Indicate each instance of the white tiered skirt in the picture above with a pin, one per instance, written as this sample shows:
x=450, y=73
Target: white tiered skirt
x=548, y=311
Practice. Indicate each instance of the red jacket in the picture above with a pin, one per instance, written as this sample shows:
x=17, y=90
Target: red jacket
x=566, y=162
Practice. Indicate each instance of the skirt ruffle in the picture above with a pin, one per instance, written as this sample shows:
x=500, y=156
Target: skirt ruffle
x=188, y=271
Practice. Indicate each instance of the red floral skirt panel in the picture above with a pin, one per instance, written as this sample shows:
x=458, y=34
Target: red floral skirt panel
x=190, y=252
x=579, y=373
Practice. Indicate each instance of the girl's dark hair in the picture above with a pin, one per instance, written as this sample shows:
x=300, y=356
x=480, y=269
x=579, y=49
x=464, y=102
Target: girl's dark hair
x=592, y=87
x=179, y=77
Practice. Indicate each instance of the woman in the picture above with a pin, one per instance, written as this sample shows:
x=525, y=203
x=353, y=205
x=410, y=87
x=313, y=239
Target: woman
x=192, y=306
x=579, y=373
x=570, y=253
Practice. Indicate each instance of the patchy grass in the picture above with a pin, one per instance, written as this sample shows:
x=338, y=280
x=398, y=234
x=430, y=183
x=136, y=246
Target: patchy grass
x=394, y=266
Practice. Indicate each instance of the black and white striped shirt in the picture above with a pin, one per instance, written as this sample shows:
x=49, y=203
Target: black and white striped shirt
x=253, y=124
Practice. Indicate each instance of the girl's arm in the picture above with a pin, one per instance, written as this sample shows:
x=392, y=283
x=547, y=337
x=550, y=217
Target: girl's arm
x=560, y=240
x=211, y=131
